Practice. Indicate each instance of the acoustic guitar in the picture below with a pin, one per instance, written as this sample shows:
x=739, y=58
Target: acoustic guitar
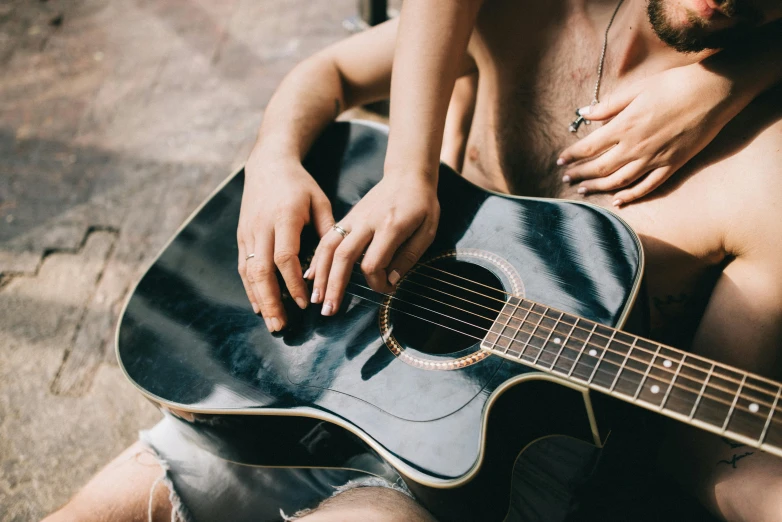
x=493, y=341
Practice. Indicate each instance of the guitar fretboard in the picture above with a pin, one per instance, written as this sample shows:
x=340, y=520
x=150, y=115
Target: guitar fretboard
x=690, y=388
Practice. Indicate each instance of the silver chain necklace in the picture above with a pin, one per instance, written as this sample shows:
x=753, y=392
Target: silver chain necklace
x=579, y=118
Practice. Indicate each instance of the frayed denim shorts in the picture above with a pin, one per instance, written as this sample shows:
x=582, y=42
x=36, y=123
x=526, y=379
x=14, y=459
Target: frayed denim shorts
x=547, y=481
x=204, y=487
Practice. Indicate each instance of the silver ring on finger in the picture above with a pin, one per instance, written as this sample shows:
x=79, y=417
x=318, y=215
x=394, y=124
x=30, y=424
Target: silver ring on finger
x=339, y=230
x=249, y=256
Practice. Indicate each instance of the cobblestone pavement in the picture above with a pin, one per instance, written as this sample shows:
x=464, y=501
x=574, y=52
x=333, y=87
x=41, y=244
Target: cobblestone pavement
x=116, y=120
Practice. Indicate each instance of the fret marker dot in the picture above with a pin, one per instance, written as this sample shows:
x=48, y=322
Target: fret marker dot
x=557, y=340
x=655, y=389
x=754, y=407
x=667, y=363
x=593, y=352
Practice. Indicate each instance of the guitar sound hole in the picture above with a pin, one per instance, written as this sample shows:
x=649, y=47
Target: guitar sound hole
x=445, y=306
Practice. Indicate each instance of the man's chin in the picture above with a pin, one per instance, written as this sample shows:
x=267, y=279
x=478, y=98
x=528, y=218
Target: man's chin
x=684, y=35
x=694, y=30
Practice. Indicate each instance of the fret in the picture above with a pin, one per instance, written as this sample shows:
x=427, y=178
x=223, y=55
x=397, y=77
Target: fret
x=659, y=380
x=581, y=351
x=771, y=414
x=496, y=338
x=532, y=344
x=554, y=345
x=514, y=343
x=673, y=381
x=511, y=316
x=614, y=355
x=646, y=373
x=700, y=393
x=733, y=404
x=694, y=389
x=753, y=407
x=636, y=366
x=544, y=345
x=688, y=381
x=606, y=349
x=622, y=367
x=593, y=353
x=564, y=346
x=718, y=396
x=773, y=436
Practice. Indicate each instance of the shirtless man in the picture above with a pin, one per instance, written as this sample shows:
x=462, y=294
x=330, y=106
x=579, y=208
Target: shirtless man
x=711, y=236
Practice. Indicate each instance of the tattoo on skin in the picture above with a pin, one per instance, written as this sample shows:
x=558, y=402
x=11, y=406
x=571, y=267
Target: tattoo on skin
x=736, y=457
x=672, y=305
x=677, y=318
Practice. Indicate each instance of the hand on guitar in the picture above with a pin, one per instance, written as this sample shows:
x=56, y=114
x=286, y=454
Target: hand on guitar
x=394, y=223
x=279, y=199
x=655, y=127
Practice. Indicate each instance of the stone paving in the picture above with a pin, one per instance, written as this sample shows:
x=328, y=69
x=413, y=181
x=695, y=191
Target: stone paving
x=116, y=120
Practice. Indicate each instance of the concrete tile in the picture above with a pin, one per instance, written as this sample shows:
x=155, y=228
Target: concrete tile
x=114, y=126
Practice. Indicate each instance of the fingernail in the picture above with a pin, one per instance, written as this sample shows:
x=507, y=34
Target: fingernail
x=255, y=307
x=276, y=324
x=584, y=111
x=315, y=297
x=307, y=273
x=327, y=308
x=618, y=202
x=582, y=190
x=565, y=179
x=561, y=162
x=394, y=277
x=301, y=302
x=268, y=324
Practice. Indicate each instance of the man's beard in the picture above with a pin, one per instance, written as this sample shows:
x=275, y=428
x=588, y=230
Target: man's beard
x=696, y=36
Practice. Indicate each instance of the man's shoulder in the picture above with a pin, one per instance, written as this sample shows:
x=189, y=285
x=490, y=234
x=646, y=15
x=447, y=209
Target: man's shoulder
x=754, y=136
x=743, y=171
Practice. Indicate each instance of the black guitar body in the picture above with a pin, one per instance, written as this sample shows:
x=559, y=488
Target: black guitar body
x=381, y=376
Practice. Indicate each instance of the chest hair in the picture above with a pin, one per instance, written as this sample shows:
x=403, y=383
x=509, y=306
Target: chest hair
x=538, y=100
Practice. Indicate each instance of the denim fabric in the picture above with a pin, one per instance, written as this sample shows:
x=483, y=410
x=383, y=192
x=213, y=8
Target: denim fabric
x=205, y=487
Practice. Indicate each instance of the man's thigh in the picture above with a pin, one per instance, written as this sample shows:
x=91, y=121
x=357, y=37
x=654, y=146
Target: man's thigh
x=175, y=478
x=379, y=504
x=129, y=488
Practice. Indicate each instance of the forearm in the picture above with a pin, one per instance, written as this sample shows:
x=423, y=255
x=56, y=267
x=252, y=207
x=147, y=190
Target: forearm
x=733, y=481
x=428, y=57
x=351, y=72
x=306, y=101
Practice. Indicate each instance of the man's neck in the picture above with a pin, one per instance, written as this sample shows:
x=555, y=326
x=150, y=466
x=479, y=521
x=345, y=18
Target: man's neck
x=635, y=49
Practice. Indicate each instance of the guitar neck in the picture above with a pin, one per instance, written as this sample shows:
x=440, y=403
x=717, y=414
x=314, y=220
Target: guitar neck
x=704, y=393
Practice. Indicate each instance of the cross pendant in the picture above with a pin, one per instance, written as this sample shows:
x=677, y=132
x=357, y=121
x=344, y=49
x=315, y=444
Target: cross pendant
x=578, y=121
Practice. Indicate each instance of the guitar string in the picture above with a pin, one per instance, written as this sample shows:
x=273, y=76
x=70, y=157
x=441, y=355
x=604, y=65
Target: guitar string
x=594, y=334
x=540, y=327
x=701, y=406
x=597, y=334
x=526, y=345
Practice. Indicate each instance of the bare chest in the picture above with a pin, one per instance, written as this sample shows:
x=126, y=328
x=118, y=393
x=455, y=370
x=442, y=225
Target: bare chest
x=526, y=102
x=528, y=92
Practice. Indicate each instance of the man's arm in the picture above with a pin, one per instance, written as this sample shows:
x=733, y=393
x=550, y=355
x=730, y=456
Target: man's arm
x=742, y=326
x=280, y=197
x=349, y=73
